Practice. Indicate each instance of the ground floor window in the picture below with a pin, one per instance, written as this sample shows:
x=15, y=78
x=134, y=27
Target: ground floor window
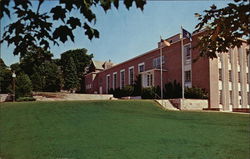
x=149, y=80
x=122, y=79
x=187, y=76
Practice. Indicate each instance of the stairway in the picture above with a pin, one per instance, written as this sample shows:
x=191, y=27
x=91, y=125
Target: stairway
x=166, y=104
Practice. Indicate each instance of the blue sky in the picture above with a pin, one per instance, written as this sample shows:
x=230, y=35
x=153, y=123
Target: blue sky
x=127, y=33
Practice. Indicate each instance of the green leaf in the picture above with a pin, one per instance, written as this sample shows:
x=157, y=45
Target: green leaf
x=74, y=22
x=58, y=12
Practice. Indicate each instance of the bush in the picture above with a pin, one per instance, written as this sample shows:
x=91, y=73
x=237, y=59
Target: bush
x=21, y=99
x=151, y=93
x=172, y=90
x=23, y=86
x=196, y=93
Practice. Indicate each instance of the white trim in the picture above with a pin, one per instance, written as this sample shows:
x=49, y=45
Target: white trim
x=132, y=67
x=123, y=70
x=140, y=64
x=114, y=82
x=107, y=81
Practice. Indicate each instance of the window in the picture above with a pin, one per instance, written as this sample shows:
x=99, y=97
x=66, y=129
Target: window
x=141, y=67
x=149, y=80
x=220, y=97
x=114, y=80
x=247, y=78
x=108, y=83
x=220, y=74
x=122, y=78
x=131, y=75
x=229, y=57
x=157, y=62
x=230, y=76
x=187, y=53
x=238, y=76
x=230, y=97
x=187, y=76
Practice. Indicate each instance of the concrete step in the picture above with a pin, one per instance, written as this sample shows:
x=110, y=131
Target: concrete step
x=166, y=104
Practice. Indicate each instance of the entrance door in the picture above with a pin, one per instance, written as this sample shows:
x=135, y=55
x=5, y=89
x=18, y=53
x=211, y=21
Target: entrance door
x=100, y=90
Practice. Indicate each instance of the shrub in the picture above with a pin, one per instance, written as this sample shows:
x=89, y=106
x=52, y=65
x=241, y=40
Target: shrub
x=150, y=93
x=21, y=99
x=172, y=90
x=23, y=86
x=196, y=93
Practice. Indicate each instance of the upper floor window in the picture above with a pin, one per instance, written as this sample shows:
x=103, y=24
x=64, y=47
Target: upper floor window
x=141, y=67
x=157, y=62
x=220, y=74
x=187, y=53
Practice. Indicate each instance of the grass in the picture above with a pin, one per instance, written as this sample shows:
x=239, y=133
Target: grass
x=119, y=130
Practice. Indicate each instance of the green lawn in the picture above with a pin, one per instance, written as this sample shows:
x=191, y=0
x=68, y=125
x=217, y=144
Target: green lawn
x=119, y=130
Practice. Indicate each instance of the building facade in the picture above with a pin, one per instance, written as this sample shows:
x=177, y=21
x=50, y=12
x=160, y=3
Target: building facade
x=225, y=78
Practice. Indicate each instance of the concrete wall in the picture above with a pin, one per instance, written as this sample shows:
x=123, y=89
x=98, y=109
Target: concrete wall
x=43, y=96
x=190, y=104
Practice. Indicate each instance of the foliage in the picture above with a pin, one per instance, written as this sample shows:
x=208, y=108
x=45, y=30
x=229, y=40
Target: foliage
x=23, y=86
x=172, y=90
x=71, y=81
x=21, y=99
x=52, y=77
x=196, y=93
x=5, y=78
x=149, y=93
x=137, y=86
x=38, y=29
x=81, y=60
x=223, y=27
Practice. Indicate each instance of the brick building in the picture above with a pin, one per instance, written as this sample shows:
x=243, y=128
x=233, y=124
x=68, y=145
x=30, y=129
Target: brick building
x=226, y=78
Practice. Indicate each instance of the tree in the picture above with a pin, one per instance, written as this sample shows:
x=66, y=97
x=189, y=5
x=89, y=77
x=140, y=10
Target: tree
x=52, y=78
x=81, y=60
x=223, y=28
x=5, y=78
x=23, y=86
x=35, y=28
x=71, y=81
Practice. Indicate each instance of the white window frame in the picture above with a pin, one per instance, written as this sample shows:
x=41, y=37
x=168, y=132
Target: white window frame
x=114, y=82
x=129, y=78
x=123, y=70
x=107, y=83
x=140, y=64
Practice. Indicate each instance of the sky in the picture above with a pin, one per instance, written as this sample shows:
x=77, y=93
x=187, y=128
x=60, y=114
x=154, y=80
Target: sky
x=124, y=33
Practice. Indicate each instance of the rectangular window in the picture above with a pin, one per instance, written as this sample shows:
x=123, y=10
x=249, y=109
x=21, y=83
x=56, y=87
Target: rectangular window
x=247, y=78
x=220, y=97
x=141, y=67
x=231, y=97
x=187, y=76
x=187, y=53
x=220, y=74
x=131, y=75
x=108, y=83
x=239, y=77
x=149, y=80
x=229, y=57
x=230, y=76
x=122, y=79
x=114, y=80
x=157, y=62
